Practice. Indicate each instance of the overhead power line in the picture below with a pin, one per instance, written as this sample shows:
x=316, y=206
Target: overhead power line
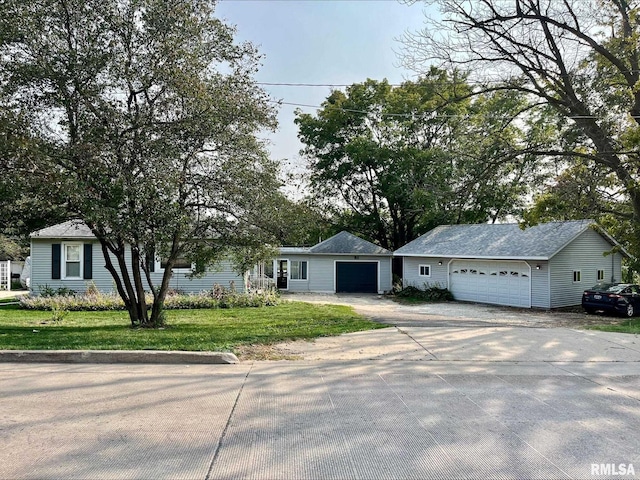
x=429, y=115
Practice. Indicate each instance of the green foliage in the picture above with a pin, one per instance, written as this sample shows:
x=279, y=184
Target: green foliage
x=155, y=114
x=393, y=162
x=58, y=313
x=46, y=291
x=11, y=248
x=582, y=69
x=429, y=293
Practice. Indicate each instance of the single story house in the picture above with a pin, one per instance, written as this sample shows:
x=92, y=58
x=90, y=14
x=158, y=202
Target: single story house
x=342, y=263
x=544, y=266
x=68, y=255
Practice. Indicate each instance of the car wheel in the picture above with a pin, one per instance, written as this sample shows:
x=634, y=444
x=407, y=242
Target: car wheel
x=590, y=311
x=630, y=311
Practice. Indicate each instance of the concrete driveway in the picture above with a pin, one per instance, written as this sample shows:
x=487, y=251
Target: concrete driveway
x=386, y=310
x=446, y=401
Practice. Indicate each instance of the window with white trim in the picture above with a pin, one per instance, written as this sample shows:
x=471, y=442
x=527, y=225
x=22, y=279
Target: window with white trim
x=600, y=275
x=577, y=276
x=181, y=264
x=299, y=269
x=424, y=270
x=72, y=260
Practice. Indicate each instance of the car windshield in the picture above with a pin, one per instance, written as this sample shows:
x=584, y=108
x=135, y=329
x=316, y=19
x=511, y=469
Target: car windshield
x=609, y=287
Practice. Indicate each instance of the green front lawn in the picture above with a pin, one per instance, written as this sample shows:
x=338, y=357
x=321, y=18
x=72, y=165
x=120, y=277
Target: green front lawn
x=627, y=326
x=194, y=330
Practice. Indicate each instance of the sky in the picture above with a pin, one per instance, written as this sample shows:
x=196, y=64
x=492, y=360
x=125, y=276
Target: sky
x=333, y=42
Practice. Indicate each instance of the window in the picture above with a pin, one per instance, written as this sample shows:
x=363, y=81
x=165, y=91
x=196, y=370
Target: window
x=181, y=264
x=424, y=270
x=72, y=260
x=600, y=275
x=266, y=269
x=577, y=276
x=298, y=269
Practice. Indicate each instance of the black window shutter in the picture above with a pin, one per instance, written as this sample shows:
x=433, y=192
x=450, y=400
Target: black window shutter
x=56, y=257
x=200, y=266
x=88, y=261
x=151, y=261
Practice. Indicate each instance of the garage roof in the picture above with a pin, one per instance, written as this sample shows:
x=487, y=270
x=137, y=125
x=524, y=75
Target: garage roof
x=345, y=243
x=500, y=241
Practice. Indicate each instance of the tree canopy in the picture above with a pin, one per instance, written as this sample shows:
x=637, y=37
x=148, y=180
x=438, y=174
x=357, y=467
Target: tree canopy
x=142, y=120
x=582, y=66
x=394, y=162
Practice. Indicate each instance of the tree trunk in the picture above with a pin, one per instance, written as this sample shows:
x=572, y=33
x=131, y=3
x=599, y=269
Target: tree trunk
x=128, y=301
x=139, y=288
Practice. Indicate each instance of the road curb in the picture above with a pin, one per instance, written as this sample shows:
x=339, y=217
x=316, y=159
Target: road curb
x=116, y=356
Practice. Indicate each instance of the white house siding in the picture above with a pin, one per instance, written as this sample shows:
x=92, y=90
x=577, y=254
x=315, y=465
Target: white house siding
x=312, y=273
x=411, y=272
x=41, y=260
x=540, y=297
x=585, y=254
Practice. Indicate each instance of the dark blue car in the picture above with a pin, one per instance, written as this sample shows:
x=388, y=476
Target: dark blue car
x=622, y=298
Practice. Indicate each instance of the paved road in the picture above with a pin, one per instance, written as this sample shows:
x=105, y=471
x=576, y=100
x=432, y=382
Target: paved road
x=403, y=402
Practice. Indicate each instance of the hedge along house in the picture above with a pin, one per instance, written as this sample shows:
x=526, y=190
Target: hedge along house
x=343, y=263
x=69, y=256
x=545, y=266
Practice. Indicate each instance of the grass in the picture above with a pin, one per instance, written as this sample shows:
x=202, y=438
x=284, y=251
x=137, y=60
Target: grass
x=627, y=326
x=189, y=330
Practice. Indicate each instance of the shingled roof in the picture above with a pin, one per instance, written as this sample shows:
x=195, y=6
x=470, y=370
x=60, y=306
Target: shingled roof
x=68, y=229
x=345, y=243
x=499, y=241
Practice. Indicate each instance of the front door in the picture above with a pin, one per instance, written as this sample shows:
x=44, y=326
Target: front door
x=282, y=281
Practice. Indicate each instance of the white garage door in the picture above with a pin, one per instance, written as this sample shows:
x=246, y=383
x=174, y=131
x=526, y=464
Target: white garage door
x=502, y=283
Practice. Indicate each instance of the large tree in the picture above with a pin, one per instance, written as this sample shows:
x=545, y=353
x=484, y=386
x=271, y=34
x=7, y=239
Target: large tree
x=393, y=162
x=578, y=58
x=143, y=115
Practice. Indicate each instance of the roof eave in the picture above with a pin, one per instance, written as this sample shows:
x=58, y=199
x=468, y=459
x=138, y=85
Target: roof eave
x=474, y=257
x=62, y=237
x=353, y=254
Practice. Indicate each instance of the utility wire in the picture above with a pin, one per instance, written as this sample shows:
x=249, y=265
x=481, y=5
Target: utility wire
x=431, y=116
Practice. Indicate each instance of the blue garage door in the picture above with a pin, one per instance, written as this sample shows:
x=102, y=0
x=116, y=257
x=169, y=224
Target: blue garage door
x=356, y=277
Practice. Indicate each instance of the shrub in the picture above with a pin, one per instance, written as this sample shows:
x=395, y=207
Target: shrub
x=58, y=313
x=47, y=291
x=430, y=293
x=93, y=300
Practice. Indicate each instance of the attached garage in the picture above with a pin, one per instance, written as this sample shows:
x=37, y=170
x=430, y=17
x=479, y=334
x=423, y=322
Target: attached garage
x=501, y=283
x=356, y=277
